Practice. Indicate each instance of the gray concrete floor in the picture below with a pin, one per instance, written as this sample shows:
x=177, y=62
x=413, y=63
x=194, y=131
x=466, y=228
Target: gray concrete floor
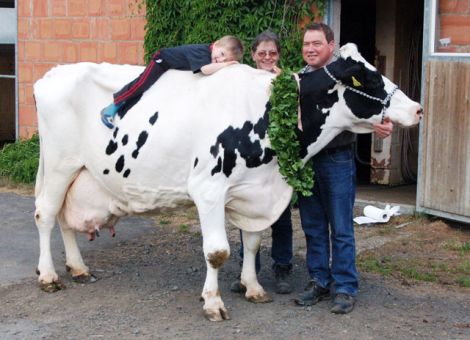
x=381, y=195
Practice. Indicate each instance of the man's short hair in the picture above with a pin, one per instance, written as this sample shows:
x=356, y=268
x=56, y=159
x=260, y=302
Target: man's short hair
x=266, y=36
x=233, y=44
x=319, y=26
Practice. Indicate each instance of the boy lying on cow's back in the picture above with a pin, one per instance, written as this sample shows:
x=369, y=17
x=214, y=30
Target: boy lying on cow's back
x=204, y=58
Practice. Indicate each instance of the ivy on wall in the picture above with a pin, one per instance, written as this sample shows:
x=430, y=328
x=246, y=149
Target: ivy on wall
x=176, y=22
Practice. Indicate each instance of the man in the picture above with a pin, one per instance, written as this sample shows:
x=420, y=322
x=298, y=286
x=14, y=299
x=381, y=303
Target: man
x=327, y=215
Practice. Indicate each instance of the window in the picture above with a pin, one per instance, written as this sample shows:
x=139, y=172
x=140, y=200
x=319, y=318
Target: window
x=7, y=3
x=450, y=27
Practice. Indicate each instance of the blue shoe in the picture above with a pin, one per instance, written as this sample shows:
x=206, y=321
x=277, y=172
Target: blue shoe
x=108, y=113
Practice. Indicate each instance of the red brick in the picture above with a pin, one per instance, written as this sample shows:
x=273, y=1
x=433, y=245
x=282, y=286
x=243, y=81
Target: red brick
x=107, y=52
x=39, y=8
x=58, y=8
x=100, y=28
x=63, y=29
x=120, y=29
x=52, y=51
x=32, y=50
x=23, y=28
x=447, y=49
x=24, y=8
x=71, y=52
x=40, y=69
x=116, y=7
x=128, y=53
x=454, y=6
x=135, y=9
x=27, y=115
x=21, y=93
x=96, y=8
x=26, y=132
x=89, y=51
x=29, y=95
x=81, y=29
x=77, y=8
x=21, y=50
x=457, y=27
x=46, y=28
x=137, y=28
x=25, y=73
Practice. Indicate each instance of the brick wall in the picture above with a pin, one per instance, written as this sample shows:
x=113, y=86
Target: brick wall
x=454, y=19
x=52, y=32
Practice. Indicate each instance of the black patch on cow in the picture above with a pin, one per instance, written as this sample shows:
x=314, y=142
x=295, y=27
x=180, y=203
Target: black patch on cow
x=195, y=162
x=316, y=101
x=154, y=118
x=218, y=167
x=126, y=173
x=120, y=164
x=111, y=148
x=125, y=139
x=314, y=98
x=140, y=142
x=115, y=132
x=237, y=140
x=105, y=171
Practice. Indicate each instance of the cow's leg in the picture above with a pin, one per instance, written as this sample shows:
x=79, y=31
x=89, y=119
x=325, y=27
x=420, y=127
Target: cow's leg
x=216, y=252
x=254, y=291
x=49, y=200
x=74, y=261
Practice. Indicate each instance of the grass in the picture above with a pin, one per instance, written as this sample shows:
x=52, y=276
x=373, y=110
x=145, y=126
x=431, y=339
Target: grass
x=19, y=161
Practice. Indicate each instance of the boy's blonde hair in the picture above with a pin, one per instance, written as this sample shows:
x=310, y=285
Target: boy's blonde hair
x=233, y=44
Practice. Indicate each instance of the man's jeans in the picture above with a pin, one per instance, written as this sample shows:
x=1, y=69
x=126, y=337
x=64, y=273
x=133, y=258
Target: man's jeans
x=332, y=202
x=281, y=249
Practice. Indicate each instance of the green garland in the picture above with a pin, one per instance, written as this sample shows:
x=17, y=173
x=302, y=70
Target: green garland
x=282, y=134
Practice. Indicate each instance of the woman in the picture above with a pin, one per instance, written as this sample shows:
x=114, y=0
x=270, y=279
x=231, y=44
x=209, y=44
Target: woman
x=265, y=52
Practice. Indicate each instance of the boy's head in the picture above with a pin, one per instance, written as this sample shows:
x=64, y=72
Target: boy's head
x=227, y=48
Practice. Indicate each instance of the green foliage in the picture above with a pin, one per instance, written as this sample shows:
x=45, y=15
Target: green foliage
x=464, y=281
x=19, y=161
x=176, y=22
x=282, y=132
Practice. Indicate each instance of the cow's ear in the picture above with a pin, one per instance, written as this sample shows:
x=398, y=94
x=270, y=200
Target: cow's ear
x=352, y=70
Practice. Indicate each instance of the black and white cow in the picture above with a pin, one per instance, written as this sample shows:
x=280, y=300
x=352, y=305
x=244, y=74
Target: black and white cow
x=190, y=138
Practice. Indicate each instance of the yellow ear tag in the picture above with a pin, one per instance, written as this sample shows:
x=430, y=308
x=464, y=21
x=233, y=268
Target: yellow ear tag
x=356, y=82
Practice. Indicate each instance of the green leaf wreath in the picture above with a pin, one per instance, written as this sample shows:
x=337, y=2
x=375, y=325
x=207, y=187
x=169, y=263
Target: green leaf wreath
x=282, y=132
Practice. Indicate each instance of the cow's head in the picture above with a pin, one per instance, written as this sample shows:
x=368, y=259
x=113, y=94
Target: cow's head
x=349, y=94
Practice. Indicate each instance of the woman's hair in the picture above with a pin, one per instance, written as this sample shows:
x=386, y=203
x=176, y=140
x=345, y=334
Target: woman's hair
x=266, y=36
x=233, y=44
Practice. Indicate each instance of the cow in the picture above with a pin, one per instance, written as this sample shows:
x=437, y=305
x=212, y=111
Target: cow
x=189, y=138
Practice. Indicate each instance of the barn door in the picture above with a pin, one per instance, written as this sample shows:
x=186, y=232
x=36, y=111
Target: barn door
x=444, y=163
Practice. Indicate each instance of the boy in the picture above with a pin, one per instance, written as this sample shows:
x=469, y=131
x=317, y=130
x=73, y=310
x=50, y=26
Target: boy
x=203, y=58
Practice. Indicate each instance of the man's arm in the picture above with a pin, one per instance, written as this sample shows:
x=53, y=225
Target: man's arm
x=214, y=67
x=383, y=130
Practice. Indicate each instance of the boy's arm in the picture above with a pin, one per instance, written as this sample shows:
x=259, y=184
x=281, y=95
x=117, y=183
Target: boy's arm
x=214, y=67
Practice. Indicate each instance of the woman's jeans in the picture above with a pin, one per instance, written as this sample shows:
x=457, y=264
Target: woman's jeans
x=327, y=215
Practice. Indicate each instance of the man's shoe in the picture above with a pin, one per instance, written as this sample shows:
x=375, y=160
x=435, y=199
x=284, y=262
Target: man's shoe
x=281, y=273
x=343, y=303
x=237, y=287
x=108, y=113
x=312, y=295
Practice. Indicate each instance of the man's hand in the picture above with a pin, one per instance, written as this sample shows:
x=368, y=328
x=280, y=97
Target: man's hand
x=383, y=130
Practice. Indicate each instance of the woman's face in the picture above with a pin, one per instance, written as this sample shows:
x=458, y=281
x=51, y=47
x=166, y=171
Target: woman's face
x=266, y=56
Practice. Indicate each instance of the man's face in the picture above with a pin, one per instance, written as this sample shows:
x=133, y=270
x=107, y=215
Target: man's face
x=316, y=51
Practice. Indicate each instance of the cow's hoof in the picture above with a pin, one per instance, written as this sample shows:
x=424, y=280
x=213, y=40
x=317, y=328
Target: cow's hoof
x=85, y=278
x=259, y=298
x=51, y=287
x=217, y=315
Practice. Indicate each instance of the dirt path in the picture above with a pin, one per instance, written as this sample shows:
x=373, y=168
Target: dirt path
x=149, y=288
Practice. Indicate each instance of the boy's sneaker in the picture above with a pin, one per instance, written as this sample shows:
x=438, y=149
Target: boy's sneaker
x=312, y=295
x=343, y=303
x=108, y=113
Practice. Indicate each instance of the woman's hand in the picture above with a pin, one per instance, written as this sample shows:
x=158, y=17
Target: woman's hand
x=384, y=129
